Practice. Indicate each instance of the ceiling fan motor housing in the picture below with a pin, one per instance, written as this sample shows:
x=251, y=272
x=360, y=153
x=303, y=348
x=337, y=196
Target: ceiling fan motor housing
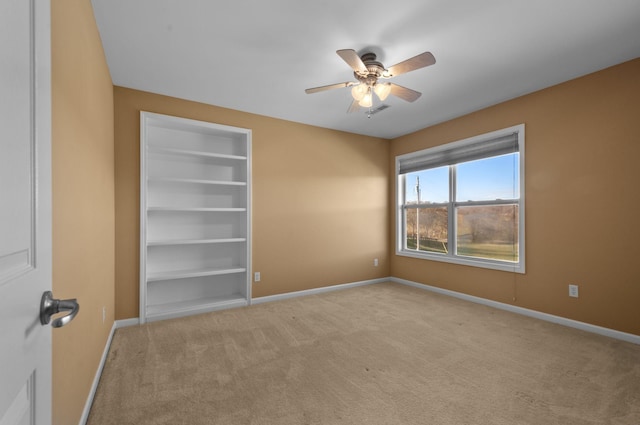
x=374, y=70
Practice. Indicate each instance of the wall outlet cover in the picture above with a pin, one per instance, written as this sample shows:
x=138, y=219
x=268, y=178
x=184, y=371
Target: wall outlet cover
x=573, y=291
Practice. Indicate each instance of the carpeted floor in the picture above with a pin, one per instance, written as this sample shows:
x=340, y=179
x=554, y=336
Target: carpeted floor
x=377, y=354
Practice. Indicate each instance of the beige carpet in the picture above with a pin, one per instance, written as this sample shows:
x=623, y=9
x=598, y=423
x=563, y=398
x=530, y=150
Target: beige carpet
x=378, y=354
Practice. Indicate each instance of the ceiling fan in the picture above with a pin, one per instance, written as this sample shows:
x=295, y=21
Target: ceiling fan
x=368, y=71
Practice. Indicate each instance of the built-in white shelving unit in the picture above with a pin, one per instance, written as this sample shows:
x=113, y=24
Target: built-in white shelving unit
x=195, y=215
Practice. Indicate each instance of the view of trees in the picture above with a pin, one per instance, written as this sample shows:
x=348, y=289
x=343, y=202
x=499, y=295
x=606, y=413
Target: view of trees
x=483, y=231
x=432, y=222
x=488, y=224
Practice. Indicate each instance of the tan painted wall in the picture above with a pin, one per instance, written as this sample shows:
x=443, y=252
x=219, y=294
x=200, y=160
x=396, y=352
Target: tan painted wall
x=83, y=201
x=320, y=211
x=582, y=201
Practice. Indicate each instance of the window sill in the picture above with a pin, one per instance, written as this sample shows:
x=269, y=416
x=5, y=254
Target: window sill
x=465, y=261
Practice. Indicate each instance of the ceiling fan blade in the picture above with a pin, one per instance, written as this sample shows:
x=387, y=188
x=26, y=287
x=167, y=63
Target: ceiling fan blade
x=416, y=62
x=329, y=87
x=354, y=107
x=353, y=60
x=405, y=93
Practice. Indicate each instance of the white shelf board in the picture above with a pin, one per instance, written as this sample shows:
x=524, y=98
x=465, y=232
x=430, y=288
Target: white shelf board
x=193, y=241
x=185, y=274
x=195, y=181
x=194, y=209
x=201, y=305
x=185, y=152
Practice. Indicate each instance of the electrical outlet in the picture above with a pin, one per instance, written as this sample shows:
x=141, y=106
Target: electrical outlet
x=256, y=277
x=573, y=291
x=375, y=262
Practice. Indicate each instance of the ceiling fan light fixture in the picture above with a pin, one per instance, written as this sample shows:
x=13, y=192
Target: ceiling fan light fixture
x=367, y=100
x=382, y=90
x=359, y=91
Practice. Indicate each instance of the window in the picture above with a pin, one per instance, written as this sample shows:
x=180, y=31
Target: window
x=463, y=202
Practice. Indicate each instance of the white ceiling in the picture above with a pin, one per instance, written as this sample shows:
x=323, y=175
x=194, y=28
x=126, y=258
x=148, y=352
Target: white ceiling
x=258, y=56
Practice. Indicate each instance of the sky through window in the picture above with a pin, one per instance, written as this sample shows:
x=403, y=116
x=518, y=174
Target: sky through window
x=480, y=180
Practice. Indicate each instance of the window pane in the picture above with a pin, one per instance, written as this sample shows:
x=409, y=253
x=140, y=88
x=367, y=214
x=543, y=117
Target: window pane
x=430, y=226
x=488, y=232
x=427, y=186
x=488, y=179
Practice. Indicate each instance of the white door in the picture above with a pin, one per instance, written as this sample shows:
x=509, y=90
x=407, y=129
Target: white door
x=25, y=211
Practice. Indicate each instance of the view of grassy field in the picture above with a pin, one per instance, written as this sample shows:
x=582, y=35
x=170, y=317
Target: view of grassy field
x=504, y=251
x=495, y=251
x=430, y=245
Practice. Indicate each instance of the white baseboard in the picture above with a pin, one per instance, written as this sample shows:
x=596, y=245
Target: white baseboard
x=126, y=322
x=96, y=379
x=278, y=297
x=635, y=339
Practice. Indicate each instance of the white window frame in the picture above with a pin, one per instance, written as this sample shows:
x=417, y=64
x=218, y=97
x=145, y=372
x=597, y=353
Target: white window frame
x=450, y=256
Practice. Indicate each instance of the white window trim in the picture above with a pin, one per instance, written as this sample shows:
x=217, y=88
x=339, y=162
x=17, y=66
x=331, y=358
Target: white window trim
x=518, y=267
